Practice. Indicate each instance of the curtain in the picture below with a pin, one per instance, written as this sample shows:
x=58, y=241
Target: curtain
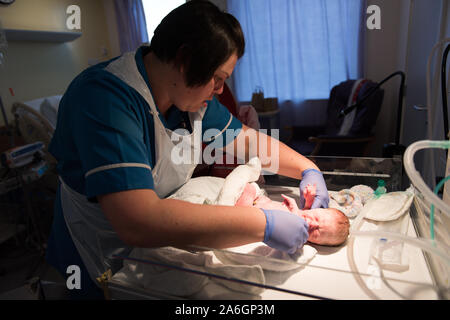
x=131, y=24
x=297, y=50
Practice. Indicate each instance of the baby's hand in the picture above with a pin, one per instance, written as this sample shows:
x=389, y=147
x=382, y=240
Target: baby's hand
x=291, y=204
x=309, y=194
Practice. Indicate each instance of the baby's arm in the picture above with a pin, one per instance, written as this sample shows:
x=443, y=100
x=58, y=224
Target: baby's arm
x=305, y=214
x=291, y=204
x=309, y=193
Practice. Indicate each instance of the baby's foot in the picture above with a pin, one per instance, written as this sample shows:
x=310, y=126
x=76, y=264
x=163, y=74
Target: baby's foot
x=247, y=197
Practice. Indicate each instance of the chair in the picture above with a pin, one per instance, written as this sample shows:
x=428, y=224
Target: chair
x=350, y=135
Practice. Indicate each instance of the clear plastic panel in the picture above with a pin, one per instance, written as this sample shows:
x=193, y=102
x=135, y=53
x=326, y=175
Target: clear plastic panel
x=346, y=172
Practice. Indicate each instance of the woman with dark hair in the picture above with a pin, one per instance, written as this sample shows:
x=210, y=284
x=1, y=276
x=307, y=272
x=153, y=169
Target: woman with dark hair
x=117, y=142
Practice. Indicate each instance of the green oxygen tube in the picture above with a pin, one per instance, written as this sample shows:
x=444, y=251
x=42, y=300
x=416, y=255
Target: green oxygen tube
x=436, y=191
x=381, y=189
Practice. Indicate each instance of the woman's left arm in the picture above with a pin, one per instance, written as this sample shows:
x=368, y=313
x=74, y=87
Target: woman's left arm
x=275, y=156
x=278, y=158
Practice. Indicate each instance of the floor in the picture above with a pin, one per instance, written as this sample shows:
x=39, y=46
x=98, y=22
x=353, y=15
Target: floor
x=24, y=274
x=25, y=223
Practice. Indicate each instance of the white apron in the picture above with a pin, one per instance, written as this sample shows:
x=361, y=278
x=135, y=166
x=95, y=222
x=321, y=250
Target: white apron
x=91, y=232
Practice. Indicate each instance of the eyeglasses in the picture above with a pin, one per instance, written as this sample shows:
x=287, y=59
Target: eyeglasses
x=218, y=82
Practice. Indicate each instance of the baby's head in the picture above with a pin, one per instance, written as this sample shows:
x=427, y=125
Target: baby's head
x=328, y=226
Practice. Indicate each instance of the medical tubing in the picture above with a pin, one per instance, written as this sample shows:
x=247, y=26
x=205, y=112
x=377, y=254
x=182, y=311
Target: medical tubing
x=416, y=242
x=429, y=106
x=436, y=190
x=415, y=177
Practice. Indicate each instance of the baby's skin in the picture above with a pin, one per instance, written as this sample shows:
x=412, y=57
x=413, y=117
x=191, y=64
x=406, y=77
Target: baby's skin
x=326, y=226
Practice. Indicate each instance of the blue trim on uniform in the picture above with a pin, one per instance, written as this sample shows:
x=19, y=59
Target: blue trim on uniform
x=217, y=117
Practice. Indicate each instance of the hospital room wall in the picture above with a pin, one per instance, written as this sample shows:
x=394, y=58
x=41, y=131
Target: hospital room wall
x=423, y=36
x=39, y=69
x=409, y=29
x=384, y=53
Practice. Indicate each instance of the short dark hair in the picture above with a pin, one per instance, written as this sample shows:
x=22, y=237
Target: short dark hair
x=199, y=37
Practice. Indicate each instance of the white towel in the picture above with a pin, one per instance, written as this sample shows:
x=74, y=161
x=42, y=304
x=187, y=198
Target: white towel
x=200, y=190
x=182, y=283
x=235, y=182
x=266, y=257
x=389, y=206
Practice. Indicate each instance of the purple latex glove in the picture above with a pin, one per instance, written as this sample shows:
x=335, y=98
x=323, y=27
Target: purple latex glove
x=285, y=231
x=314, y=177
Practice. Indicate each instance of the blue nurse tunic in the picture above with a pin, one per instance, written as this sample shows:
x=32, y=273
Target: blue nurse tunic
x=103, y=121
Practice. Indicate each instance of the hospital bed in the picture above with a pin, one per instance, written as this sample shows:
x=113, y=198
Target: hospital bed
x=343, y=272
x=36, y=120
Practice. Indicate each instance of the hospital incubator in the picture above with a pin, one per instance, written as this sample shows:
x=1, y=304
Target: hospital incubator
x=388, y=254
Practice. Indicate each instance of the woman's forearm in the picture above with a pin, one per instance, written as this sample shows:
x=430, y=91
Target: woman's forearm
x=141, y=219
x=212, y=225
x=275, y=156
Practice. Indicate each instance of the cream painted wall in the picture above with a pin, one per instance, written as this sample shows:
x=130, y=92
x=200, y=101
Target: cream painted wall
x=38, y=69
x=111, y=24
x=403, y=43
x=385, y=53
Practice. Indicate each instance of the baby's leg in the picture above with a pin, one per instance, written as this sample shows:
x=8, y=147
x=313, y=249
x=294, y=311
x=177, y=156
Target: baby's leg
x=247, y=197
x=309, y=193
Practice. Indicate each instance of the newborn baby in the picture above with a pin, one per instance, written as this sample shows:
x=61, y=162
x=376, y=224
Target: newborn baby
x=326, y=226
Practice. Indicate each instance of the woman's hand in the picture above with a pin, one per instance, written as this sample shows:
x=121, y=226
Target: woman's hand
x=314, y=177
x=285, y=231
